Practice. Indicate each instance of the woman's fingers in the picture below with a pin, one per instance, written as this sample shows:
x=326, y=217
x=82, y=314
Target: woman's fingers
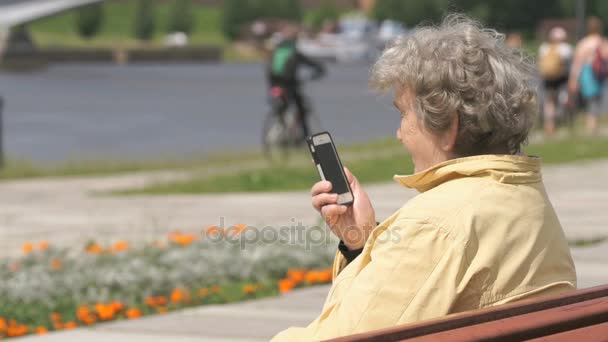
x=323, y=199
x=320, y=187
x=331, y=212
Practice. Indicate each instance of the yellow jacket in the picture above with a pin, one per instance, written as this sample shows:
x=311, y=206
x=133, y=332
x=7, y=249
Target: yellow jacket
x=481, y=233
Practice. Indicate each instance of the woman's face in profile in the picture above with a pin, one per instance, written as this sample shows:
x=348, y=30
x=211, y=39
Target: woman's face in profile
x=422, y=145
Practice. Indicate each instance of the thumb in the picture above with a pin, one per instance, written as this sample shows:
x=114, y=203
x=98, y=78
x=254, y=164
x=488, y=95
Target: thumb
x=352, y=180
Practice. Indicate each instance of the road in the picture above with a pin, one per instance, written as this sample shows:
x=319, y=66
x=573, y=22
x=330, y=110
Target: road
x=149, y=111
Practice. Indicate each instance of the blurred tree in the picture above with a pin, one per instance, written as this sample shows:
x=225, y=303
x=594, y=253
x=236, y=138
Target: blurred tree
x=599, y=8
x=182, y=17
x=144, y=20
x=283, y=9
x=89, y=20
x=235, y=14
x=291, y=10
x=317, y=17
x=410, y=12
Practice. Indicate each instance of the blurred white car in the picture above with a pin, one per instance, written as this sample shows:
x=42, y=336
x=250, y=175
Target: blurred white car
x=356, y=41
x=389, y=31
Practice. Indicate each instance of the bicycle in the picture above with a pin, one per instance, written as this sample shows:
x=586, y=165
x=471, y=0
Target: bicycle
x=282, y=130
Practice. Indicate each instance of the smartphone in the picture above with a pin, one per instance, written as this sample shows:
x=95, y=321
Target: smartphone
x=329, y=166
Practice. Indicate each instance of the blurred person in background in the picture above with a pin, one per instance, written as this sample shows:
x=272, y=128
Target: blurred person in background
x=482, y=232
x=514, y=40
x=582, y=78
x=283, y=69
x=554, y=58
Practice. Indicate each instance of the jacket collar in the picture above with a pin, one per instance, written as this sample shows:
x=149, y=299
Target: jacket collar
x=514, y=169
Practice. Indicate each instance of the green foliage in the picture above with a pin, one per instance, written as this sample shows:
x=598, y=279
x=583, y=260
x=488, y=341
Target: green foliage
x=89, y=20
x=374, y=169
x=512, y=15
x=411, y=13
x=237, y=13
x=66, y=280
x=317, y=17
x=145, y=21
x=182, y=17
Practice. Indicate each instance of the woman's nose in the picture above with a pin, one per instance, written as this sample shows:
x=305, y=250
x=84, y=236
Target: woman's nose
x=398, y=134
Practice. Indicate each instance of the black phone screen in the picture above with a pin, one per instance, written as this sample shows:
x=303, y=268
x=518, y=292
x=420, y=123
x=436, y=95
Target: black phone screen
x=328, y=160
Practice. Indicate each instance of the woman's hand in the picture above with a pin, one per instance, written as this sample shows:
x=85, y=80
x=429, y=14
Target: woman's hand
x=352, y=224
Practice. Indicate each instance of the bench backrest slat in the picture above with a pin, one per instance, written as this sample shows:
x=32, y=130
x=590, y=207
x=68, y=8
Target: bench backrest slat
x=528, y=326
x=478, y=316
x=593, y=333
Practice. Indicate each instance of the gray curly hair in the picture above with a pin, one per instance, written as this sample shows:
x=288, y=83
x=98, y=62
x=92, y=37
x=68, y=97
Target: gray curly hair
x=460, y=68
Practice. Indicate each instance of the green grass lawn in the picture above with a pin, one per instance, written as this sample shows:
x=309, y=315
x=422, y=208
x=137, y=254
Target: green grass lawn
x=369, y=168
x=117, y=29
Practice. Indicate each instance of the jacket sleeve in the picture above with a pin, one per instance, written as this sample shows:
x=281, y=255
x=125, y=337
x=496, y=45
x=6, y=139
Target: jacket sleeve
x=317, y=67
x=413, y=275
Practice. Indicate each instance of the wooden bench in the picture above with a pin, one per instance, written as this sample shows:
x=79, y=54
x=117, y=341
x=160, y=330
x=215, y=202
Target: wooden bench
x=580, y=316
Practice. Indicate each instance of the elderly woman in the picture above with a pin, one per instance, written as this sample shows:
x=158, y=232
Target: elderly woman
x=482, y=231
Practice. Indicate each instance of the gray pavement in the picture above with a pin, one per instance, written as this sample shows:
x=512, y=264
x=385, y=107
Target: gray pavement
x=69, y=210
x=66, y=209
x=100, y=112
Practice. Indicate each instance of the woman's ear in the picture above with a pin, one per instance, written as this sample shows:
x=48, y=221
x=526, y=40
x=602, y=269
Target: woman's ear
x=448, y=140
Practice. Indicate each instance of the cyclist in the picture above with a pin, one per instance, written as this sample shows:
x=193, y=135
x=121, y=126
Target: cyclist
x=282, y=72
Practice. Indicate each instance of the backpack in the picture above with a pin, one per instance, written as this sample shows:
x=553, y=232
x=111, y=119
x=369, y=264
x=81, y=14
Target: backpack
x=551, y=64
x=599, y=65
x=280, y=59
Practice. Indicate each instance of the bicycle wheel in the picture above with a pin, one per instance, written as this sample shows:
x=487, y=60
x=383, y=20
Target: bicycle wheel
x=274, y=138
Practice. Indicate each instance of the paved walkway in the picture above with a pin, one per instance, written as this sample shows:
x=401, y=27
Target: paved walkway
x=70, y=210
x=64, y=210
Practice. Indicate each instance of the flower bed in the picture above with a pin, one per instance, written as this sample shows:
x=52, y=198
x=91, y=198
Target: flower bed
x=51, y=288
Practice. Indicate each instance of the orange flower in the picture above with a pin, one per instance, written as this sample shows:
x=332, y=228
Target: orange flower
x=176, y=296
x=215, y=289
x=286, y=285
x=57, y=325
x=296, y=275
x=56, y=264
x=41, y=330
x=213, y=231
x=55, y=316
x=3, y=325
x=16, y=330
x=150, y=301
x=104, y=312
x=117, y=306
x=70, y=325
x=161, y=300
x=182, y=239
x=250, y=289
x=312, y=277
x=120, y=246
x=94, y=248
x=85, y=315
x=156, y=301
x=202, y=293
x=237, y=229
x=27, y=248
x=133, y=313
x=162, y=309
x=90, y=319
x=325, y=276
x=43, y=245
